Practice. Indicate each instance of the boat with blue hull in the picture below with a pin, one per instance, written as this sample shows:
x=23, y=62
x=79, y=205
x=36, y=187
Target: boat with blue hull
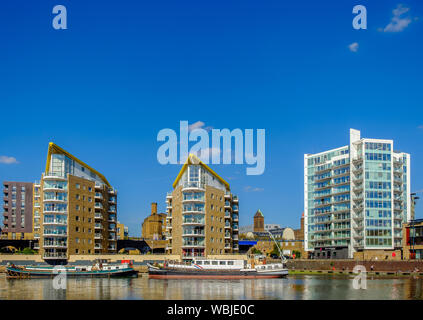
x=95, y=271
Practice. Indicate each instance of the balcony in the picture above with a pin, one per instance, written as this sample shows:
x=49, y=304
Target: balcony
x=112, y=191
x=193, y=244
x=358, y=159
x=54, y=244
x=193, y=234
x=98, y=196
x=189, y=255
x=58, y=222
x=54, y=200
x=112, y=200
x=98, y=226
x=193, y=210
x=98, y=236
x=98, y=216
x=54, y=255
x=55, y=233
x=193, y=222
x=193, y=186
x=54, y=211
x=98, y=246
x=54, y=176
x=98, y=206
x=112, y=210
x=227, y=245
x=55, y=187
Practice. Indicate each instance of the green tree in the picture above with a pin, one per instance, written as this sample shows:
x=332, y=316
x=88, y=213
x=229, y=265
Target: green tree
x=297, y=254
x=254, y=250
x=275, y=250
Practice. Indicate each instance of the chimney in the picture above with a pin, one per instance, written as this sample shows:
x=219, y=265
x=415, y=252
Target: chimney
x=154, y=208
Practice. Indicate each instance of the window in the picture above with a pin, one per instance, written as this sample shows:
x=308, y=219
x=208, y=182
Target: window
x=90, y=189
x=77, y=230
x=77, y=218
x=214, y=262
x=206, y=262
x=199, y=262
x=77, y=186
x=230, y=263
x=222, y=263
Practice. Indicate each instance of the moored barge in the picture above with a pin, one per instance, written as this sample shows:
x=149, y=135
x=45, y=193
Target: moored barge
x=217, y=269
x=95, y=271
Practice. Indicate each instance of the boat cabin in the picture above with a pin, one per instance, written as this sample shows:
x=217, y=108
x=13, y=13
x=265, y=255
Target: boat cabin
x=219, y=264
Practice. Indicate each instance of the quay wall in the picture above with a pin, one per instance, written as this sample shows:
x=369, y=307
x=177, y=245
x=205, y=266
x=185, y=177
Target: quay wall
x=348, y=265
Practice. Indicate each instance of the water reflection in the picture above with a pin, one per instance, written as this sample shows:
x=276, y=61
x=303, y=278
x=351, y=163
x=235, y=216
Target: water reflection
x=301, y=287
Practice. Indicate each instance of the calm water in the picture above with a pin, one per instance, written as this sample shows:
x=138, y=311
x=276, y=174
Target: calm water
x=294, y=287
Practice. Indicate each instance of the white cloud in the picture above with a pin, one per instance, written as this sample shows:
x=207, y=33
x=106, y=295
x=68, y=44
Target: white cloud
x=198, y=125
x=353, y=47
x=251, y=189
x=398, y=22
x=7, y=160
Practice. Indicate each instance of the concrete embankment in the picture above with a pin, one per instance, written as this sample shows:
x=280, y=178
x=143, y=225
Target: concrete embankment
x=346, y=266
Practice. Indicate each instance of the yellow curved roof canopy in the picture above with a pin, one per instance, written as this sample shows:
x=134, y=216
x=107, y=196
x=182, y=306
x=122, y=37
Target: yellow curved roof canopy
x=55, y=149
x=193, y=159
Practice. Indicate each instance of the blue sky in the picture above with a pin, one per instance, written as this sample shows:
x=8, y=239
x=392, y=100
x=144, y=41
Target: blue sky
x=124, y=70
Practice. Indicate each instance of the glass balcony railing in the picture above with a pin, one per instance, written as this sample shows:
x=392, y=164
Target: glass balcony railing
x=54, y=232
x=193, y=220
x=61, y=175
x=193, y=243
x=55, y=221
x=193, y=185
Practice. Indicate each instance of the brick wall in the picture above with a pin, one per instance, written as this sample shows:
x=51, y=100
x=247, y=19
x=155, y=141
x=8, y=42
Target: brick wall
x=388, y=266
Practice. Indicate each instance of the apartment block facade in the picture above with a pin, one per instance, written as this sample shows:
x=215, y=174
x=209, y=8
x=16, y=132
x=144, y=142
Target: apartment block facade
x=356, y=197
x=202, y=213
x=17, y=210
x=77, y=208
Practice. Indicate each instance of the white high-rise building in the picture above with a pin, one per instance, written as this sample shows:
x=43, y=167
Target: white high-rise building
x=355, y=197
